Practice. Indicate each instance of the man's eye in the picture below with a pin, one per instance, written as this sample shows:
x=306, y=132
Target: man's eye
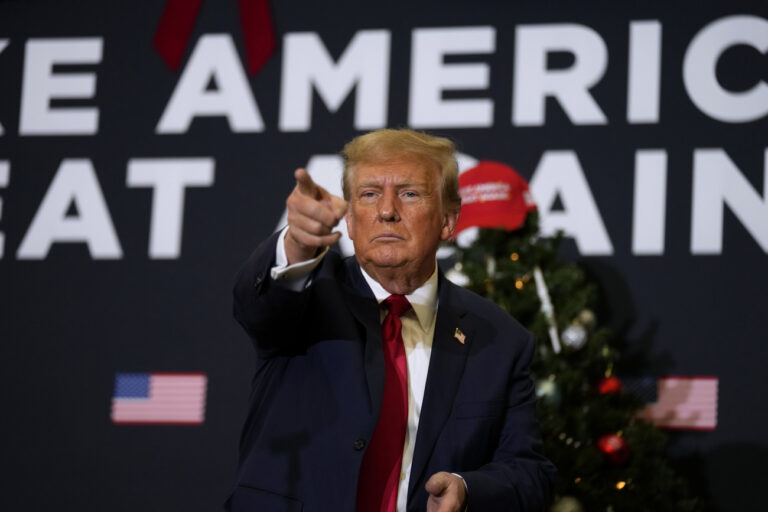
x=367, y=194
x=410, y=194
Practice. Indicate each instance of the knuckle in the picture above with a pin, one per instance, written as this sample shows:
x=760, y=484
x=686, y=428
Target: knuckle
x=322, y=215
x=315, y=227
x=291, y=201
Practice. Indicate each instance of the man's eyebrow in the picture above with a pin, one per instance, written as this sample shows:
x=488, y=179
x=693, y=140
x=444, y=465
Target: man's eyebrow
x=410, y=184
x=413, y=184
x=368, y=184
x=377, y=183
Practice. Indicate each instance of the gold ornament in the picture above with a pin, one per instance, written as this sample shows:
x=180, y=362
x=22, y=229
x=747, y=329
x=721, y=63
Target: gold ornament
x=587, y=318
x=567, y=504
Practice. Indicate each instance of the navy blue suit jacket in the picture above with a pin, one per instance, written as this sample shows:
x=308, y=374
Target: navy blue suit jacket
x=317, y=392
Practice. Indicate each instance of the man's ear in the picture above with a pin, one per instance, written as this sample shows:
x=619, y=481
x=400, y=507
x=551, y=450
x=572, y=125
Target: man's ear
x=348, y=219
x=449, y=224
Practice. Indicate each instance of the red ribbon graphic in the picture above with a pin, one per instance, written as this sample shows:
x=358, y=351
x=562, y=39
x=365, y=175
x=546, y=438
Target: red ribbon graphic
x=179, y=17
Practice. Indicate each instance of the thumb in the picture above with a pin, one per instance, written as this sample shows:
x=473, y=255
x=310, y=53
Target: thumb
x=338, y=206
x=437, y=484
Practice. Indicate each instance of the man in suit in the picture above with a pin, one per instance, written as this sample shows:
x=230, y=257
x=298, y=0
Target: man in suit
x=424, y=403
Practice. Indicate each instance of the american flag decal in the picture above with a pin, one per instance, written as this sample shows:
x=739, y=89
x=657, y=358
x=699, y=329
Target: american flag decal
x=684, y=403
x=159, y=398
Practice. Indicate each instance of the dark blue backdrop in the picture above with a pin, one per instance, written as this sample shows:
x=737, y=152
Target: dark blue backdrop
x=122, y=277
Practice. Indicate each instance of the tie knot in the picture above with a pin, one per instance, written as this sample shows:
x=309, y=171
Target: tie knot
x=397, y=304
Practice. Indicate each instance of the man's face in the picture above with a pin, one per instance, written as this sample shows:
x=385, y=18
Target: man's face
x=395, y=217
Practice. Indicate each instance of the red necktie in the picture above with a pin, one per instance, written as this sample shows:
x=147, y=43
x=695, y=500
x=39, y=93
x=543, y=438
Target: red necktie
x=380, y=470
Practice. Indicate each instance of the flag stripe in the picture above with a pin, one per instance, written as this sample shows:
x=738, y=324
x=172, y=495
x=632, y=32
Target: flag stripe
x=159, y=398
x=684, y=403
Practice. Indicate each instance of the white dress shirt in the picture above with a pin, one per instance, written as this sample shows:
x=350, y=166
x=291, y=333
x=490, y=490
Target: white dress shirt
x=418, y=331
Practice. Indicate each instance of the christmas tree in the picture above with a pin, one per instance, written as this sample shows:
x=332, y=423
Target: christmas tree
x=608, y=459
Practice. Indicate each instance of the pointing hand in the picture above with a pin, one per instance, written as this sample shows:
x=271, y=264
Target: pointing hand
x=312, y=214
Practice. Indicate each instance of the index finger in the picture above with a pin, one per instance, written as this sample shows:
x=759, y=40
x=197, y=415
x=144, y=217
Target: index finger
x=305, y=183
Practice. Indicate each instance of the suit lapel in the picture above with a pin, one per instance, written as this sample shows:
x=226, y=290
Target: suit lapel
x=364, y=308
x=446, y=366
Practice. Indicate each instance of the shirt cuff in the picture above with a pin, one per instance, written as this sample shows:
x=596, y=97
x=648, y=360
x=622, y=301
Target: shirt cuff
x=466, y=507
x=296, y=276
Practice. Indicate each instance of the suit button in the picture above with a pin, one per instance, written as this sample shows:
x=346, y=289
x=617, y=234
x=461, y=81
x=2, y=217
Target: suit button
x=358, y=444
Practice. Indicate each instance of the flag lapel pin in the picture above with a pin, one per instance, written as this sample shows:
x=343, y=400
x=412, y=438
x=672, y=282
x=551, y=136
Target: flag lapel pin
x=460, y=336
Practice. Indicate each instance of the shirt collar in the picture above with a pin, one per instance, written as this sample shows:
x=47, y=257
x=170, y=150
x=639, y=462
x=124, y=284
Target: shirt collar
x=423, y=299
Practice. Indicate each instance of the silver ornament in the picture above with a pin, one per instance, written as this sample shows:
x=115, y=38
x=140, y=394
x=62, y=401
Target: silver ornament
x=456, y=276
x=548, y=390
x=574, y=336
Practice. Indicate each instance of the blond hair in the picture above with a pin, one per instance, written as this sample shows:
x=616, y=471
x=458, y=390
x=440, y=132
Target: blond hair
x=403, y=144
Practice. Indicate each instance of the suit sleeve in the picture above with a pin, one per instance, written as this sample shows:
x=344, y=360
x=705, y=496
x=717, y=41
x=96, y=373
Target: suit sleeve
x=518, y=475
x=266, y=310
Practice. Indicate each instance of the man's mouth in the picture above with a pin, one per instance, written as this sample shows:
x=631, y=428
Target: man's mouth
x=388, y=237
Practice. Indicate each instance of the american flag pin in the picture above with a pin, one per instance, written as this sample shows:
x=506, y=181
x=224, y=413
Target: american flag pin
x=460, y=336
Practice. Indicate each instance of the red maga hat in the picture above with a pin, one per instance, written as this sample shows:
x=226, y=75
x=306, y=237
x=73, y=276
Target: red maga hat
x=493, y=195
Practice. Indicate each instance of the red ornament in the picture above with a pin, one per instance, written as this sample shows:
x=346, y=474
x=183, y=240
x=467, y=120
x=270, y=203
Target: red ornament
x=609, y=385
x=614, y=448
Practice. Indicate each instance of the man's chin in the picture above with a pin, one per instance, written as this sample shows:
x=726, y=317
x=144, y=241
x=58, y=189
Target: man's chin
x=389, y=263
x=387, y=259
